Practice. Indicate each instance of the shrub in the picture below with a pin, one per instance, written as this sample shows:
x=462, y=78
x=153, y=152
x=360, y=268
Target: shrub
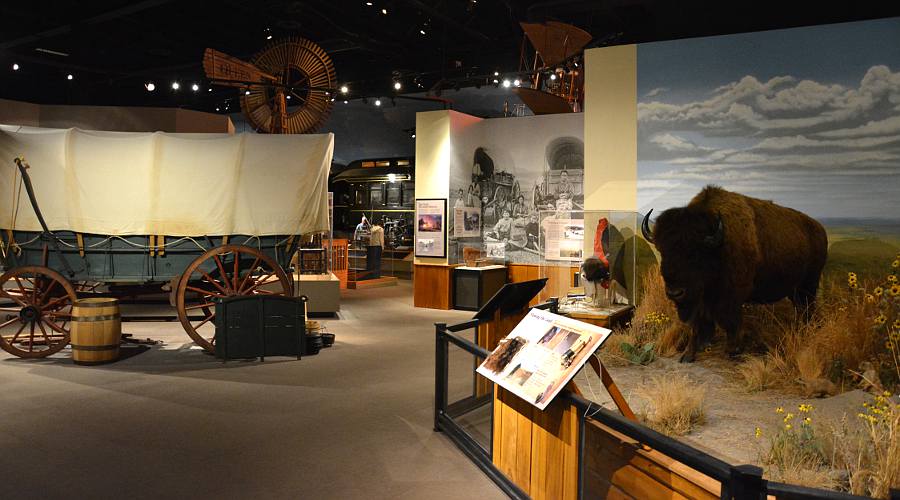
x=676, y=404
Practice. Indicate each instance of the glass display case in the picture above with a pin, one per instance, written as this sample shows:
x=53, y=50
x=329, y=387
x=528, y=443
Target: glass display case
x=589, y=260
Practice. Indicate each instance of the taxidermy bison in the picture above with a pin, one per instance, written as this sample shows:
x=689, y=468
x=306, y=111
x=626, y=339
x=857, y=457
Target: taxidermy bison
x=725, y=249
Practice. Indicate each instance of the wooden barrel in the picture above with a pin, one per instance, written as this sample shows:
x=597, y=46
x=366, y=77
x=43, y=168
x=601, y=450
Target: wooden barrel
x=96, y=331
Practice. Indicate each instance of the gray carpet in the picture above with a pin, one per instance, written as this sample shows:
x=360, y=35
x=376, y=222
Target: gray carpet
x=353, y=422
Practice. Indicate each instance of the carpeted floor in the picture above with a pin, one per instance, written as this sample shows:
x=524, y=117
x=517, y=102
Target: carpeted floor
x=353, y=422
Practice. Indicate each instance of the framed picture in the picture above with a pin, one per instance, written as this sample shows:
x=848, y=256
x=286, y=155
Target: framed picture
x=431, y=227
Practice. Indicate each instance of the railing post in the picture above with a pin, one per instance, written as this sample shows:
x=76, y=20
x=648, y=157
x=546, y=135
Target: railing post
x=440, y=372
x=746, y=483
x=554, y=305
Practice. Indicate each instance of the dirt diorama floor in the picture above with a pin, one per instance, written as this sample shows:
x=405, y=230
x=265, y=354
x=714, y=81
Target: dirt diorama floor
x=732, y=414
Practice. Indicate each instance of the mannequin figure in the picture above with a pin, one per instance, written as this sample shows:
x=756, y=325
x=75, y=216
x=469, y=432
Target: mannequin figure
x=374, y=251
x=361, y=233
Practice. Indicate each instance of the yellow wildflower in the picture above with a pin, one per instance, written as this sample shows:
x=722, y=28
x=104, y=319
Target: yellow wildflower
x=897, y=324
x=788, y=417
x=892, y=278
x=895, y=289
x=878, y=291
x=880, y=319
x=851, y=275
x=758, y=432
x=804, y=408
x=788, y=426
x=807, y=421
x=885, y=394
x=854, y=285
x=889, y=345
x=870, y=298
x=779, y=410
x=895, y=264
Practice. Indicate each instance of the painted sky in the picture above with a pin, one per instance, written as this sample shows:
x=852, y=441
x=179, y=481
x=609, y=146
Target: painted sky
x=809, y=118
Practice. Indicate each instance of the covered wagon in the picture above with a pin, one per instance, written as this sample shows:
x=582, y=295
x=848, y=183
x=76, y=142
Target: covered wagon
x=204, y=216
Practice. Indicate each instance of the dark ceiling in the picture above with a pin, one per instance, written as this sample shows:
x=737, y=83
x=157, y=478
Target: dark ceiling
x=113, y=47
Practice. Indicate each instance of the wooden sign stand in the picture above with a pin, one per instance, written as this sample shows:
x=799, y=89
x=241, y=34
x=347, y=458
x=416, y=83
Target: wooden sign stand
x=610, y=386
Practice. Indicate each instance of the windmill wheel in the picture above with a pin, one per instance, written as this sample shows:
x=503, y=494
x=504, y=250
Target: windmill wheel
x=305, y=72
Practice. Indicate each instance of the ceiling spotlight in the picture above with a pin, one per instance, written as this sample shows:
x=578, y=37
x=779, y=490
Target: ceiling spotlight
x=268, y=37
x=70, y=77
x=517, y=82
x=422, y=31
x=384, y=11
x=288, y=97
x=369, y=4
x=195, y=87
x=553, y=76
x=496, y=81
x=246, y=92
x=217, y=109
x=176, y=85
x=150, y=86
x=209, y=89
x=397, y=86
x=345, y=102
x=413, y=135
x=15, y=67
x=344, y=89
x=378, y=102
x=496, y=73
x=506, y=83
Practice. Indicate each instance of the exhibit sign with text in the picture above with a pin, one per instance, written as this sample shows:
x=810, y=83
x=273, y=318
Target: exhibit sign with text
x=563, y=239
x=541, y=355
x=431, y=227
x=467, y=222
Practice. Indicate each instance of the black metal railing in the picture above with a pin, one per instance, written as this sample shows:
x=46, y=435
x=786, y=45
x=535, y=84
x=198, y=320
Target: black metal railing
x=740, y=482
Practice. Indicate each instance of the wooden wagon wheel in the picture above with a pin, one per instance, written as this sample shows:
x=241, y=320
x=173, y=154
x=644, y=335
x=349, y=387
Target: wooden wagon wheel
x=221, y=272
x=35, y=310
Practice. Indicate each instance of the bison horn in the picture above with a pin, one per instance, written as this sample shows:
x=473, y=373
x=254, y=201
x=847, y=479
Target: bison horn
x=645, y=227
x=715, y=240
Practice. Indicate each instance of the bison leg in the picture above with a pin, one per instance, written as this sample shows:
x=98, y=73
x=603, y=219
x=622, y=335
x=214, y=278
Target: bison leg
x=730, y=321
x=804, y=298
x=702, y=330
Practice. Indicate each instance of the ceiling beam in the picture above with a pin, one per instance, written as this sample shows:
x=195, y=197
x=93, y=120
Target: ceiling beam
x=449, y=20
x=67, y=28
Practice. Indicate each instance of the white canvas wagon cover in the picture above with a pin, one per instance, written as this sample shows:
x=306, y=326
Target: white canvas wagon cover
x=126, y=183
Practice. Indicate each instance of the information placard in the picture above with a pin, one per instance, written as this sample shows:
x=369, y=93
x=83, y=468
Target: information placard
x=431, y=227
x=541, y=355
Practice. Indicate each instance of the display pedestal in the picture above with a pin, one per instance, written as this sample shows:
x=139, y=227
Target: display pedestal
x=473, y=286
x=431, y=285
x=323, y=291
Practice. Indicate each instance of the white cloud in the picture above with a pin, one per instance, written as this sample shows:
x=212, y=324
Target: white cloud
x=671, y=142
x=655, y=92
x=887, y=126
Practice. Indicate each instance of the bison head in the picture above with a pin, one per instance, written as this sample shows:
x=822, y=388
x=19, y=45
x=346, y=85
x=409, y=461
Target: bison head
x=689, y=242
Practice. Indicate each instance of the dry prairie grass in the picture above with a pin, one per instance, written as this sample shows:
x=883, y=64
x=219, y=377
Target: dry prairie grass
x=813, y=357
x=676, y=404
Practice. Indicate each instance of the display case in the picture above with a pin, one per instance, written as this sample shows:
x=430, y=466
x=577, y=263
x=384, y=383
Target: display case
x=589, y=260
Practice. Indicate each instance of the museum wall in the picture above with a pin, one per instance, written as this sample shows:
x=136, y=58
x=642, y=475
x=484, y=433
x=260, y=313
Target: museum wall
x=806, y=117
x=113, y=118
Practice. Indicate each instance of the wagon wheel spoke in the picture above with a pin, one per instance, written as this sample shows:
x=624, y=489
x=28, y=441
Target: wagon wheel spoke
x=44, y=333
x=15, y=299
x=4, y=325
x=204, y=292
x=222, y=270
x=56, y=301
x=31, y=340
x=19, y=332
x=212, y=281
x=59, y=328
x=263, y=271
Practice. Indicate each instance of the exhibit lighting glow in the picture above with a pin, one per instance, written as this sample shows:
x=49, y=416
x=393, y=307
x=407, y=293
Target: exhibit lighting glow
x=288, y=97
x=345, y=102
x=414, y=135
x=553, y=76
x=422, y=31
x=69, y=77
x=269, y=37
x=384, y=11
x=195, y=87
x=369, y=4
x=397, y=86
x=496, y=73
x=150, y=86
x=517, y=82
x=15, y=67
x=209, y=89
x=506, y=83
x=496, y=81
x=217, y=109
x=392, y=178
x=378, y=102
x=344, y=89
x=246, y=92
x=176, y=85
